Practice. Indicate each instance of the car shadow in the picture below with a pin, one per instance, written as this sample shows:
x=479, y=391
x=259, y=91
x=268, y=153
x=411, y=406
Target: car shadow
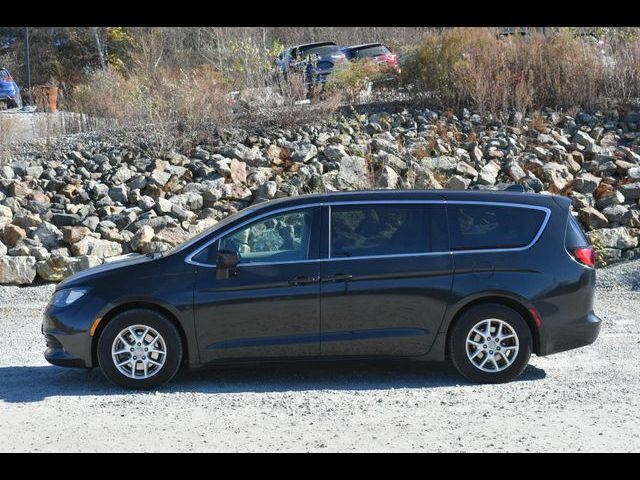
x=35, y=383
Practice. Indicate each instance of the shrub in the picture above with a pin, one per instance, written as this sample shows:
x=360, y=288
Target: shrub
x=171, y=98
x=355, y=79
x=471, y=67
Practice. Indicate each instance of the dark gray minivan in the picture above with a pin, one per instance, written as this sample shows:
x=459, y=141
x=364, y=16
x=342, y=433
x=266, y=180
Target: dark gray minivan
x=482, y=278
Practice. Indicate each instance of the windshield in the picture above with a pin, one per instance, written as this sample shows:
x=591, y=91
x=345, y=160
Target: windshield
x=222, y=223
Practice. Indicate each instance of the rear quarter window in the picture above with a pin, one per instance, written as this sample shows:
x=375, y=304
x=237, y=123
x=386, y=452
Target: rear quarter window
x=575, y=237
x=477, y=227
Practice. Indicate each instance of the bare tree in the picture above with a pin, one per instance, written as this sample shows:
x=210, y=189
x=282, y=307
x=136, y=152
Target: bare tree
x=103, y=64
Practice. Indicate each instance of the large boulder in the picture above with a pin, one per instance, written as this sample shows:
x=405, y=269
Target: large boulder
x=353, y=174
x=589, y=144
x=592, y=217
x=47, y=234
x=304, y=152
x=489, y=173
x=615, y=213
x=13, y=234
x=631, y=191
x=585, y=183
x=17, y=270
x=173, y=236
x=621, y=237
x=388, y=178
x=557, y=175
x=58, y=267
x=72, y=235
x=96, y=247
x=6, y=213
x=237, y=172
x=142, y=238
x=631, y=218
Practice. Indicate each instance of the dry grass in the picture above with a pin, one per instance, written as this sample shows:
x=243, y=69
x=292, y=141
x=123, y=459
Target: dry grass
x=538, y=123
x=471, y=67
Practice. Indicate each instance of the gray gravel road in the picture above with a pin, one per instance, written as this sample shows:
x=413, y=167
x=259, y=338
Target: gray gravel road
x=583, y=400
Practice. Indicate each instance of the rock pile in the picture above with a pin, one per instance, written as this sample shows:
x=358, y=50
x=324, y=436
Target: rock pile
x=89, y=199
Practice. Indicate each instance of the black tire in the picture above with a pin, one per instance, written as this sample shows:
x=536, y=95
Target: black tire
x=151, y=319
x=458, y=339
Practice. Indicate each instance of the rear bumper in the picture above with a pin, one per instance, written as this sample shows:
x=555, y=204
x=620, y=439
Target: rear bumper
x=576, y=334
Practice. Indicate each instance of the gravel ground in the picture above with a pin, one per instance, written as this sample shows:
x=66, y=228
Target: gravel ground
x=583, y=400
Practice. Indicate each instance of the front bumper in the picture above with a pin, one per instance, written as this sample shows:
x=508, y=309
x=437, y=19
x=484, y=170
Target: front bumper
x=579, y=333
x=66, y=331
x=55, y=354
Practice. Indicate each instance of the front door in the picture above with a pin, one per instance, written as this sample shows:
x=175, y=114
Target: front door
x=269, y=306
x=387, y=281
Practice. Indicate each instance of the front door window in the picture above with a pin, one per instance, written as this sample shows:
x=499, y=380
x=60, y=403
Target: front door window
x=284, y=237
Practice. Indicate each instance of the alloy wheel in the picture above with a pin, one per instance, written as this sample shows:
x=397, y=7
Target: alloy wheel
x=139, y=352
x=492, y=345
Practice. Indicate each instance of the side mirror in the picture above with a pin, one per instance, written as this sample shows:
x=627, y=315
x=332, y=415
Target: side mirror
x=226, y=260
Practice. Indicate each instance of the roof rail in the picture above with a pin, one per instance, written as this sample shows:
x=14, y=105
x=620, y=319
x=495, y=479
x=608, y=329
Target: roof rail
x=515, y=188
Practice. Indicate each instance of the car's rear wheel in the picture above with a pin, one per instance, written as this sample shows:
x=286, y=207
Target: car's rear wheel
x=139, y=349
x=490, y=343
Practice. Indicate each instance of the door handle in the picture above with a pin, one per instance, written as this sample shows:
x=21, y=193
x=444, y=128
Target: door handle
x=303, y=280
x=338, y=277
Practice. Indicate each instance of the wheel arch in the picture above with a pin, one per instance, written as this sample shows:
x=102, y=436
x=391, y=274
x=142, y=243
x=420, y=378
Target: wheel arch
x=109, y=315
x=504, y=300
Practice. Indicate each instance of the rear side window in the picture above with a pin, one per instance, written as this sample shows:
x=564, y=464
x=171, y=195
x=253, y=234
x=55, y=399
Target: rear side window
x=575, y=237
x=374, y=230
x=373, y=51
x=475, y=227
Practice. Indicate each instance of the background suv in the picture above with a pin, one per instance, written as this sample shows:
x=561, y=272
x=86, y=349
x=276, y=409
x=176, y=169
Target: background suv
x=375, y=51
x=9, y=91
x=315, y=60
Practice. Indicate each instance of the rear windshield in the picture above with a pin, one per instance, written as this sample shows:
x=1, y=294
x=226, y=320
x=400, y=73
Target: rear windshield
x=575, y=237
x=4, y=74
x=373, y=51
x=476, y=227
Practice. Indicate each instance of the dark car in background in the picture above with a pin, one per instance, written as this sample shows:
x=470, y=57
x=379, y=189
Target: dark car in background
x=375, y=51
x=481, y=278
x=9, y=91
x=315, y=60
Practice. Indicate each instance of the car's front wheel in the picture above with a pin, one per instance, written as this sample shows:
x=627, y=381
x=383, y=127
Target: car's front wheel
x=490, y=343
x=139, y=349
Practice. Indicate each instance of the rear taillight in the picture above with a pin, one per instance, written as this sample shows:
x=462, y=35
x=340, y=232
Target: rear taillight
x=8, y=78
x=392, y=58
x=585, y=255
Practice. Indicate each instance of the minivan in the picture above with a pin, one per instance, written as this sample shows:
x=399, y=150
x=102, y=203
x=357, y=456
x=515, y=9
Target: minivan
x=481, y=278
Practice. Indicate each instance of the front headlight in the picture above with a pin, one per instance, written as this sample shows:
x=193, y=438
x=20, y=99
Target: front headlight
x=65, y=297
